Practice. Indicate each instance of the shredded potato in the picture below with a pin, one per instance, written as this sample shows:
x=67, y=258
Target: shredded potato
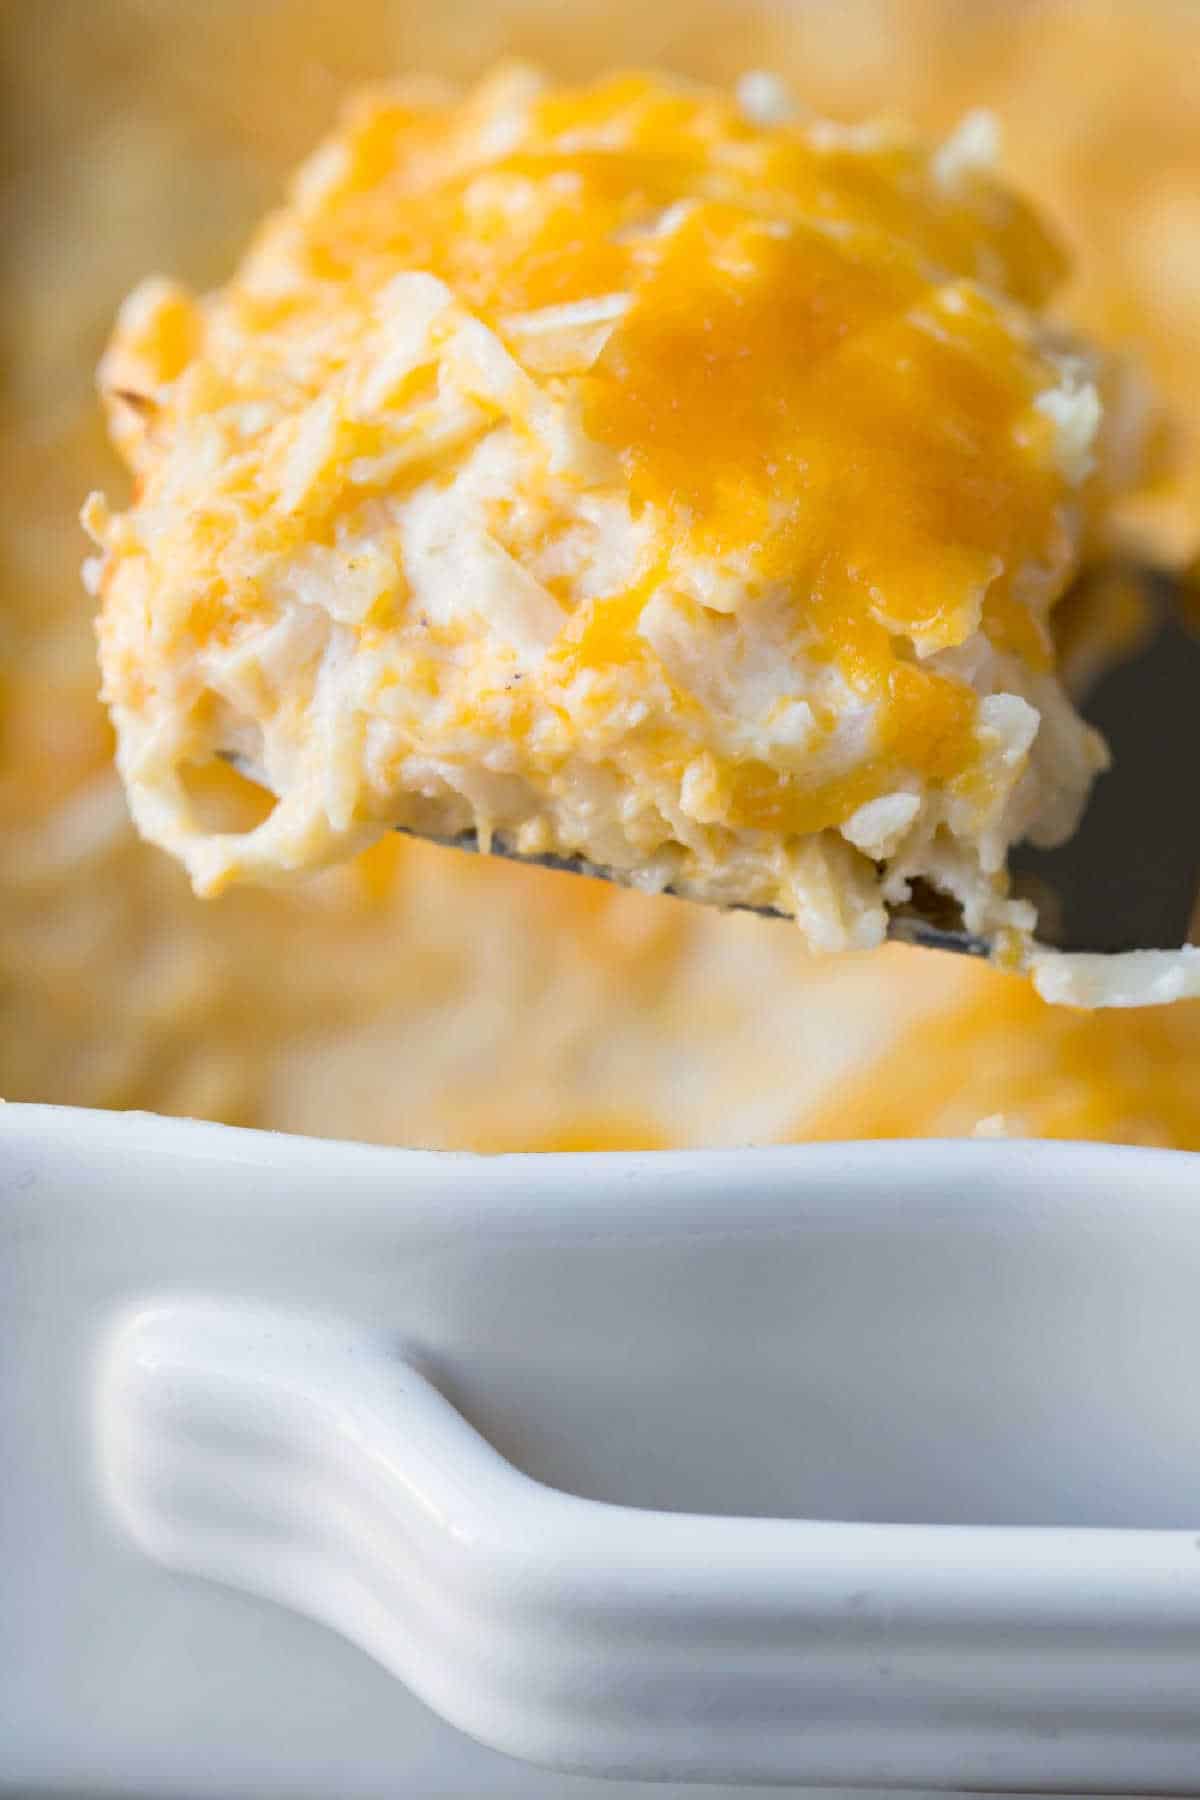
x=627, y=472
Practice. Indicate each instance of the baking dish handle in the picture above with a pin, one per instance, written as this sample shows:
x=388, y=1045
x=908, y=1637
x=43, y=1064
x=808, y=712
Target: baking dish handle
x=316, y=1465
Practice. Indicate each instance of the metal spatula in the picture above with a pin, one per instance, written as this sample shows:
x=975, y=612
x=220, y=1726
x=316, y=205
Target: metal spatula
x=1129, y=878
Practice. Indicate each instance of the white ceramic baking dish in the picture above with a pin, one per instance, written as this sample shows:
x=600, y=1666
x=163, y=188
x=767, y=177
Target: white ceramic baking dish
x=865, y=1464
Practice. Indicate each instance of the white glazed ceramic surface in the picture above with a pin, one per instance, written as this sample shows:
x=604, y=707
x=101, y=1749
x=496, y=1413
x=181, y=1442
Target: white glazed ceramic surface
x=871, y=1464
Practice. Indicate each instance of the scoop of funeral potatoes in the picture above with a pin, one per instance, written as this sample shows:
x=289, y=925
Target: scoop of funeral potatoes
x=631, y=473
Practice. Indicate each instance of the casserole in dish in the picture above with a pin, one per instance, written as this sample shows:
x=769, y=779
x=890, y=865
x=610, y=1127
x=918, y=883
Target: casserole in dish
x=977, y=1338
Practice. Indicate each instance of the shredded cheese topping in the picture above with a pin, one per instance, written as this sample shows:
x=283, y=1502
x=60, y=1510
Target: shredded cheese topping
x=637, y=474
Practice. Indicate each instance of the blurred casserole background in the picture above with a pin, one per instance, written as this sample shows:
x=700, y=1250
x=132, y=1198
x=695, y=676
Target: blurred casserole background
x=422, y=997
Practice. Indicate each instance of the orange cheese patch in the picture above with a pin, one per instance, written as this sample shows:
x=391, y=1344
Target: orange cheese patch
x=1030, y=1070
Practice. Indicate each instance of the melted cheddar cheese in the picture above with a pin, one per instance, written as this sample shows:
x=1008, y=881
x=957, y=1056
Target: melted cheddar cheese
x=1002, y=1063
x=631, y=472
